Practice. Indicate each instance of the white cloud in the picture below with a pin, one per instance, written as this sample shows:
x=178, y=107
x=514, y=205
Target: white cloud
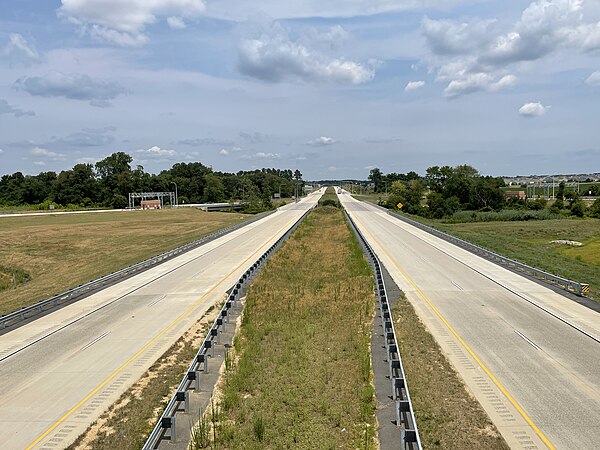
x=478, y=82
x=414, y=85
x=1, y=151
x=475, y=54
x=322, y=141
x=123, y=22
x=156, y=151
x=44, y=152
x=274, y=57
x=534, y=109
x=332, y=169
x=17, y=43
x=72, y=86
x=224, y=152
x=262, y=155
x=176, y=23
x=39, y=163
x=593, y=79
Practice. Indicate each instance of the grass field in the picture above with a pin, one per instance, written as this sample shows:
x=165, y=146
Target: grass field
x=302, y=374
x=64, y=251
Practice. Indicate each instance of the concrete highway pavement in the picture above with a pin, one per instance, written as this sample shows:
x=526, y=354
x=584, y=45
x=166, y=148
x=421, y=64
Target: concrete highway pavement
x=60, y=372
x=530, y=355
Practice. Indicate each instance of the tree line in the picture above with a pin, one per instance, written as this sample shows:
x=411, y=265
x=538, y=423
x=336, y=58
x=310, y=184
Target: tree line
x=444, y=191
x=109, y=182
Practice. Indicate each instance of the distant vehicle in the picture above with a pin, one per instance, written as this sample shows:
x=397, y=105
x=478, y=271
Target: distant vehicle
x=339, y=191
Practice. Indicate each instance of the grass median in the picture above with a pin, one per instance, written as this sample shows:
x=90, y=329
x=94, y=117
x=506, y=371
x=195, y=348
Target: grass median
x=58, y=252
x=301, y=374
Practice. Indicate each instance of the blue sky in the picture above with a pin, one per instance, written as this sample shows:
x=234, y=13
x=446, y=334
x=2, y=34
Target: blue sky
x=333, y=88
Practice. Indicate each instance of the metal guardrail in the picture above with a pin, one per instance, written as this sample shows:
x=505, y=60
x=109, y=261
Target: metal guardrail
x=405, y=417
x=88, y=288
x=572, y=286
x=166, y=425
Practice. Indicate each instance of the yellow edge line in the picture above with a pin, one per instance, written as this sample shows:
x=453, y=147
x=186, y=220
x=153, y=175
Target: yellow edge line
x=126, y=363
x=464, y=344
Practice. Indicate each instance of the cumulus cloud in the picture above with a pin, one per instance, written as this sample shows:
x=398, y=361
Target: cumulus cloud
x=18, y=44
x=274, y=57
x=6, y=108
x=176, y=23
x=476, y=55
x=593, y=79
x=157, y=152
x=534, y=109
x=48, y=154
x=322, y=141
x=123, y=22
x=478, y=82
x=72, y=86
x=224, y=152
x=262, y=155
x=414, y=85
x=1, y=151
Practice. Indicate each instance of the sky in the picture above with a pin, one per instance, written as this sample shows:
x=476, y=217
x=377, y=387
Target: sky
x=331, y=87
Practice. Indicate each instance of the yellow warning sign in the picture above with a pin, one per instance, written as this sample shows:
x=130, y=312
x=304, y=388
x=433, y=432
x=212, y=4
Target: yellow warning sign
x=399, y=205
x=585, y=288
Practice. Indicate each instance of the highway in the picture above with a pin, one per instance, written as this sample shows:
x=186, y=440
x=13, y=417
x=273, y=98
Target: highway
x=528, y=354
x=60, y=372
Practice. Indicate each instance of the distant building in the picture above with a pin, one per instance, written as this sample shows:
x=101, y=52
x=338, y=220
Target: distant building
x=516, y=194
x=151, y=204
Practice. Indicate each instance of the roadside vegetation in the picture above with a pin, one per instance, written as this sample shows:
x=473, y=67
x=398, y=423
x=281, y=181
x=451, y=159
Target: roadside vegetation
x=107, y=184
x=55, y=253
x=329, y=198
x=462, y=194
x=447, y=415
x=300, y=372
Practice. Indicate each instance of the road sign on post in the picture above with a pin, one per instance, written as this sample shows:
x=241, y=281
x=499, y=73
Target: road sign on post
x=399, y=205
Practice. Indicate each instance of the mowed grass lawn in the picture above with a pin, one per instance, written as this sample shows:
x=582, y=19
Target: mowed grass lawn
x=63, y=251
x=302, y=373
x=529, y=242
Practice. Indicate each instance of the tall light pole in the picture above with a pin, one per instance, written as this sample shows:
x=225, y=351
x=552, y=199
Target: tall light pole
x=176, y=199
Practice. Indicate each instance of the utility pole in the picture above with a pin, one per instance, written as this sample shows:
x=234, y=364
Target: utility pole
x=176, y=198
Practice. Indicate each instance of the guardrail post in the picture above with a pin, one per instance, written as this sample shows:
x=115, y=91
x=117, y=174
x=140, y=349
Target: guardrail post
x=169, y=423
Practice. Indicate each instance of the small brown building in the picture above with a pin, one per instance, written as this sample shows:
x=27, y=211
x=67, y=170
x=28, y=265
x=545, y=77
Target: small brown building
x=516, y=194
x=150, y=204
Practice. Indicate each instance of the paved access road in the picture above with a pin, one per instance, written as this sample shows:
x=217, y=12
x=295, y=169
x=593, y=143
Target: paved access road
x=60, y=372
x=521, y=348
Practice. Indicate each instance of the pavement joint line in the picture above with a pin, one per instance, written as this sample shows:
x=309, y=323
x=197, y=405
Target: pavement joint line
x=147, y=345
x=527, y=299
x=465, y=345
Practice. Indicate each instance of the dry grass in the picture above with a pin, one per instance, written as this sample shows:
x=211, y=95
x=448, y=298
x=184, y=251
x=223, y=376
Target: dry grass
x=63, y=251
x=447, y=415
x=301, y=377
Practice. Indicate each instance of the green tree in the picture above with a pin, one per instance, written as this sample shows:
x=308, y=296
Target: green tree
x=376, y=177
x=214, y=190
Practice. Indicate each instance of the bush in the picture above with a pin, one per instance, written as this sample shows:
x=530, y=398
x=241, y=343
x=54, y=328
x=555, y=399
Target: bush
x=329, y=202
x=578, y=208
x=595, y=209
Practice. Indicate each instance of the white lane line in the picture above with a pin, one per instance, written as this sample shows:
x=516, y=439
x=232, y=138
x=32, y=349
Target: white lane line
x=529, y=341
x=457, y=285
x=518, y=294
x=94, y=341
x=157, y=300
